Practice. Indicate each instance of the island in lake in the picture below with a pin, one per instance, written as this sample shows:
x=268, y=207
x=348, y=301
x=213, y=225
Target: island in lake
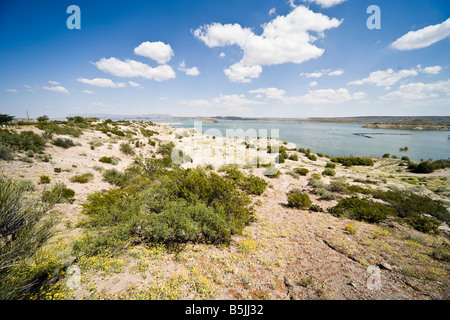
x=409, y=125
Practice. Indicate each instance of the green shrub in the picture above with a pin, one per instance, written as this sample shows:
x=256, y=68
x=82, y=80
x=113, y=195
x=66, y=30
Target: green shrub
x=26, y=140
x=57, y=170
x=25, y=225
x=126, y=149
x=330, y=165
x=166, y=206
x=301, y=171
x=114, y=177
x=298, y=199
x=44, y=179
x=386, y=155
x=361, y=209
x=312, y=157
x=60, y=129
x=6, y=153
x=63, y=143
x=350, y=229
x=111, y=160
x=58, y=194
x=353, y=161
x=329, y=172
x=324, y=194
x=82, y=178
x=293, y=157
x=250, y=184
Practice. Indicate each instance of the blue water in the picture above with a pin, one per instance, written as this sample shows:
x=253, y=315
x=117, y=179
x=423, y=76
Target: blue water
x=339, y=139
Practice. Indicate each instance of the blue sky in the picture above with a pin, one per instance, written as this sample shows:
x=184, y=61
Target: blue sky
x=279, y=58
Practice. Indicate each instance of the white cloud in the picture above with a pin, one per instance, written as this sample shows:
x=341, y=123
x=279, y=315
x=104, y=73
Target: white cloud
x=387, y=77
x=11, y=90
x=285, y=39
x=158, y=51
x=243, y=73
x=424, y=37
x=131, y=68
x=163, y=98
x=432, y=70
x=225, y=101
x=134, y=84
x=313, y=83
x=88, y=92
x=57, y=89
x=338, y=72
x=416, y=91
x=320, y=73
x=326, y=3
x=272, y=11
x=326, y=96
x=102, y=82
x=55, y=83
x=222, y=54
x=189, y=71
x=271, y=93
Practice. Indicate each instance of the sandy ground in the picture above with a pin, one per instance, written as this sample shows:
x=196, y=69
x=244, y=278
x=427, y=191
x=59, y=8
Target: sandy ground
x=286, y=254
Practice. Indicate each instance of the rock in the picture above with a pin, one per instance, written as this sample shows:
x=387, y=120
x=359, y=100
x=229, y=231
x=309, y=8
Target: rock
x=287, y=282
x=352, y=284
x=385, y=265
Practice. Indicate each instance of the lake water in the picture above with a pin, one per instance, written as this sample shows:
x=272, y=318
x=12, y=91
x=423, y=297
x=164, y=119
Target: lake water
x=340, y=139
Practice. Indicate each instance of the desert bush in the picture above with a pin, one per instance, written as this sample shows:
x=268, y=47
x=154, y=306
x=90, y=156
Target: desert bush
x=125, y=148
x=44, y=179
x=330, y=165
x=25, y=227
x=324, y=194
x=301, y=171
x=111, y=160
x=114, y=177
x=361, y=209
x=58, y=194
x=26, y=140
x=6, y=153
x=293, y=157
x=250, y=184
x=350, y=229
x=82, y=178
x=329, y=172
x=171, y=207
x=312, y=157
x=60, y=129
x=353, y=161
x=428, y=166
x=63, y=143
x=298, y=199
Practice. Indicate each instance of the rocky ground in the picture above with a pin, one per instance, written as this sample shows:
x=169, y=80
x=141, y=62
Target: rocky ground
x=285, y=254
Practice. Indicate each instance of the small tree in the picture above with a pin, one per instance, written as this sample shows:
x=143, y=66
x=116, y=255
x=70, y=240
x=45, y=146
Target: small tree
x=43, y=118
x=5, y=118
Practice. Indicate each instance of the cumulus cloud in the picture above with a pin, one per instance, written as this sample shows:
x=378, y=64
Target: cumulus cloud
x=134, y=84
x=131, y=68
x=102, y=82
x=386, y=77
x=326, y=3
x=158, y=51
x=272, y=11
x=284, y=39
x=59, y=89
x=326, y=96
x=271, y=93
x=313, y=83
x=424, y=37
x=225, y=101
x=389, y=77
x=432, y=70
x=320, y=73
x=239, y=72
x=419, y=90
x=189, y=71
x=55, y=83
